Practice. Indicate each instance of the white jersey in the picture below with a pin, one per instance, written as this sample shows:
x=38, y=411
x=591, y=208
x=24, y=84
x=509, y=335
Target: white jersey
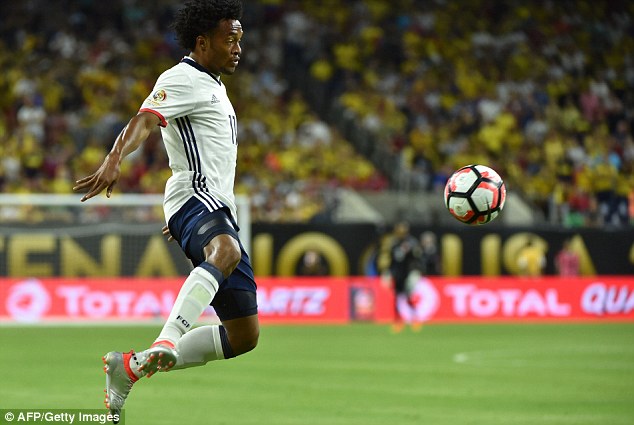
x=199, y=129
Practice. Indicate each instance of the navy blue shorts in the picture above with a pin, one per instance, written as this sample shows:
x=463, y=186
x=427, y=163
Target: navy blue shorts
x=193, y=226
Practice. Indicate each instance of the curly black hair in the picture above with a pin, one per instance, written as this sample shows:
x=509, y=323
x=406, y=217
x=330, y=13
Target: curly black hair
x=198, y=17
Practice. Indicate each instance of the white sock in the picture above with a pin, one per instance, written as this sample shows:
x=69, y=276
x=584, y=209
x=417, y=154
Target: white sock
x=199, y=346
x=199, y=289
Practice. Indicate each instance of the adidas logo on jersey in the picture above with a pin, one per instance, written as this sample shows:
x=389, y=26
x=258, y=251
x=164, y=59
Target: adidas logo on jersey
x=214, y=99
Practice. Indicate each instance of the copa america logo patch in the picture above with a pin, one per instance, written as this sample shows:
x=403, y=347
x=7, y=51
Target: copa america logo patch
x=159, y=96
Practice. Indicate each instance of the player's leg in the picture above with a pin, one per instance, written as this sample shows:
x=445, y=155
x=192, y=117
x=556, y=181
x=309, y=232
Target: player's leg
x=222, y=256
x=210, y=241
x=194, y=296
x=404, y=308
x=243, y=333
x=214, y=243
x=217, y=342
x=399, y=294
x=236, y=306
x=124, y=369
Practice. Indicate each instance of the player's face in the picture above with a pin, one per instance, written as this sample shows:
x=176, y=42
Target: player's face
x=223, y=55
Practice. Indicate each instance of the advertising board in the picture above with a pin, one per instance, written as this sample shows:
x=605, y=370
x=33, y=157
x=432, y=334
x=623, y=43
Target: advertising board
x=329, y=300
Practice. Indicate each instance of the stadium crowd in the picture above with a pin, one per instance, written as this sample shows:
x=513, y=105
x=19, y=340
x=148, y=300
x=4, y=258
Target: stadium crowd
x=541, y=91
x=73, y=72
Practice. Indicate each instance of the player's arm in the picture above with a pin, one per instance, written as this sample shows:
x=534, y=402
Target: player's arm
x=130, y=138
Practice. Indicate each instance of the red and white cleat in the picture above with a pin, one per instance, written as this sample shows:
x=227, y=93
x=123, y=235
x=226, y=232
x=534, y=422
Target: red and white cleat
x=119, y=381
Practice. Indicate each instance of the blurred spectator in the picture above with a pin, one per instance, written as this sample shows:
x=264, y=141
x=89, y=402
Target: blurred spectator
x=567, y=261
x=312, y=264
x=31, y=117
x=430, y=264
x=531, y=259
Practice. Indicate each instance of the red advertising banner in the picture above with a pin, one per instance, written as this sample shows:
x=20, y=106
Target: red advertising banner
x=330, y=300
x=59, y=299
x=280, y=300
x=468, y=299
x=305, y=300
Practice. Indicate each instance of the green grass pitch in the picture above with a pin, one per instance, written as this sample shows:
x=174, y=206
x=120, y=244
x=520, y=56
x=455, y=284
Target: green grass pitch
x=354, y=375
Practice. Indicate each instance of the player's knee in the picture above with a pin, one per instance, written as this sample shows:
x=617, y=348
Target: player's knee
x=234, y=255
x=247, y=342
x=253, y=341
x=224, y=253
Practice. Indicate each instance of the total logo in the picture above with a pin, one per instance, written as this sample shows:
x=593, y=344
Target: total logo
x=28, y=301
x=469, y=300
x=31, y=301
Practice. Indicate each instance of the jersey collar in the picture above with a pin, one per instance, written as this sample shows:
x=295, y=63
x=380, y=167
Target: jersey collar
x=190, y=61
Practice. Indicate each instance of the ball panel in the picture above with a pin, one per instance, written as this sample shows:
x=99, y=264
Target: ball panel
x=462, y=180
x=482, y=198
x=460, y=208
x=488, y=173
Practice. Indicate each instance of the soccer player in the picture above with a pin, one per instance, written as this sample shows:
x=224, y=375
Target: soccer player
x=404, y=268
x=198, y=125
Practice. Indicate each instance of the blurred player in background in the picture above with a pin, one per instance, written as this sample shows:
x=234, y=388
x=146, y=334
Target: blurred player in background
x=404, y=268
x=198, y=126
x=430, y=264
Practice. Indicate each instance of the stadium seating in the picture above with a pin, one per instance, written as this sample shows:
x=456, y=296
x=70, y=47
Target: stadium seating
x=358, y=96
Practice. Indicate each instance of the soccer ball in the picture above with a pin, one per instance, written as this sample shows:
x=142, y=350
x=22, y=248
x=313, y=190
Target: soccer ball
x=475, y=194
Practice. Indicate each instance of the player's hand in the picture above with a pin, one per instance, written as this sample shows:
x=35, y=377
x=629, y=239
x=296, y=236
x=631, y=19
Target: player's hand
x=104, y=178
x=166, y=232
